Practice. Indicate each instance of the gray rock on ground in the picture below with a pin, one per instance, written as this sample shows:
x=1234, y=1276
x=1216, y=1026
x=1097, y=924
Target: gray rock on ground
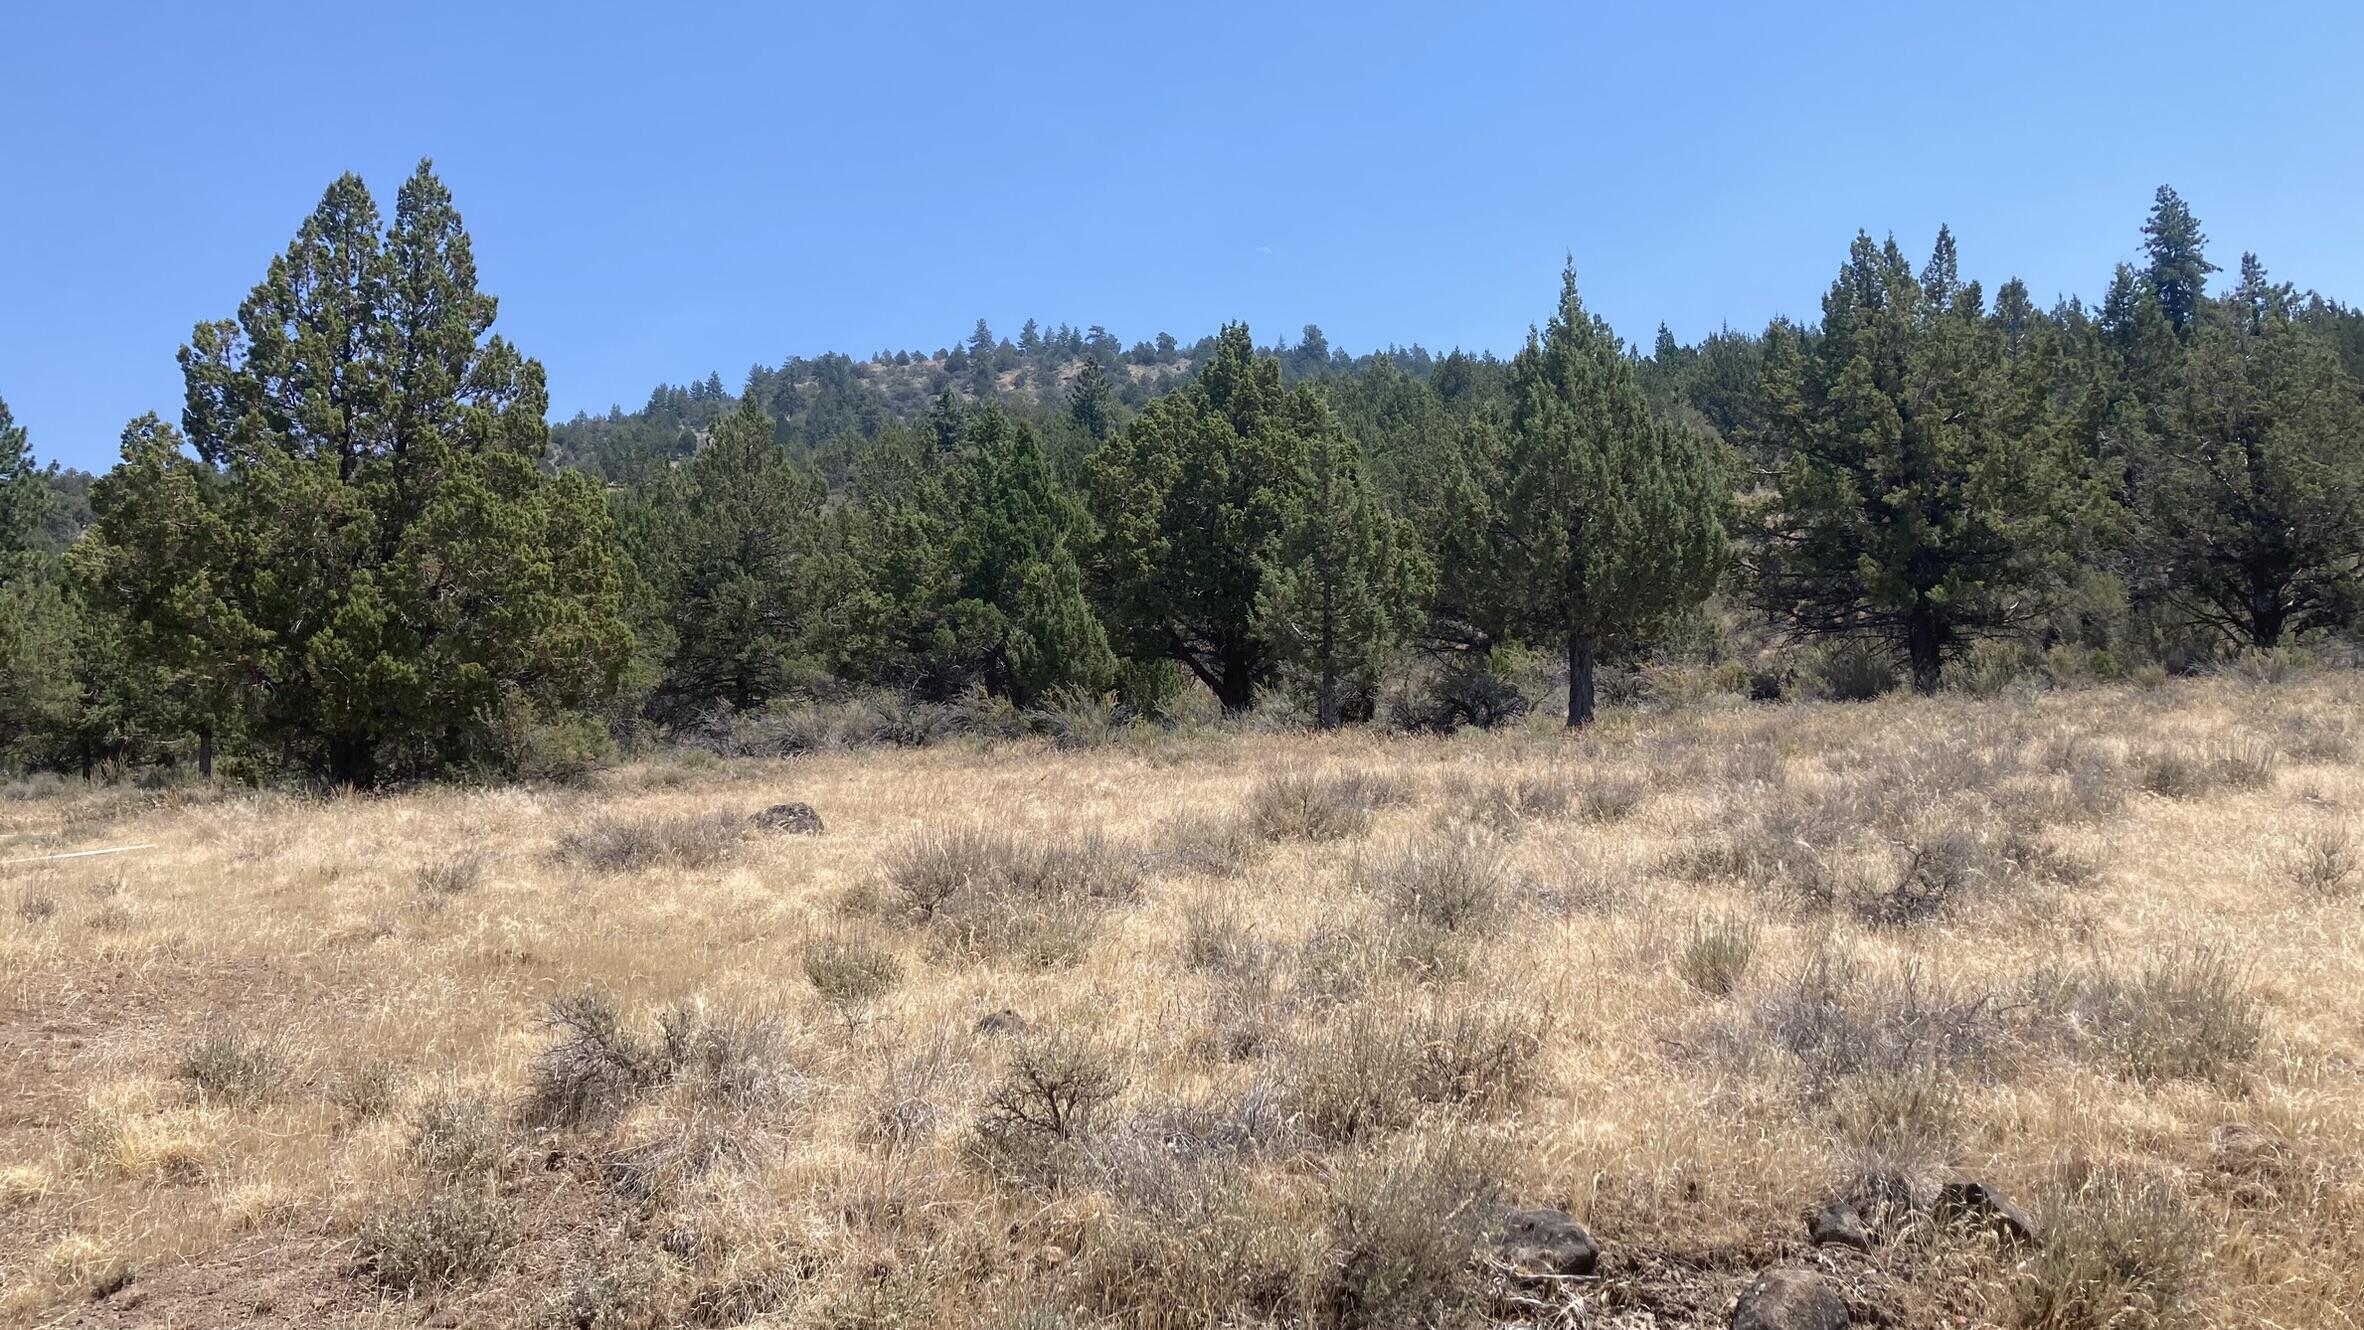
x=1977, y=1205
x=1790, y=1299
x=790, y=819
x=1838, y=1225
x=1546, y=1244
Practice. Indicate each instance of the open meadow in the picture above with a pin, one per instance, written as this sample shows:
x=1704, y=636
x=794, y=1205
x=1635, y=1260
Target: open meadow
x=1203, y=1027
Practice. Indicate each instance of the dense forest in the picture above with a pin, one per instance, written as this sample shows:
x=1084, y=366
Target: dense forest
x=362, y=554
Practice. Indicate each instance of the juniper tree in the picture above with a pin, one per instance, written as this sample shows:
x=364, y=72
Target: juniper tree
x=1194, y=498
x=1341, y=581
x=1915, y=504
x=728, y=547
x=39, y=625
x=1611, y=519
x=2251, y=499
x=397, y=582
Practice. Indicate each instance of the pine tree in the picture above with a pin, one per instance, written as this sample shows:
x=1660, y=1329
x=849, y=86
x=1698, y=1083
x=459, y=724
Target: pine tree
x=1341, y=582
x=2251, y=498
x=1612, y=520
x=1194, y=498
x=2179, y=262
x=39, y=626
x=25, y=497
x=1909, y=505
x=727, y=545
x=398, y=583
x=1090, y=403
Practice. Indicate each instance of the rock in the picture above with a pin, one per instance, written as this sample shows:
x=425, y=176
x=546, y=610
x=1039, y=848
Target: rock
x=1790, y=1299
x=1546, y=1244
x=1004, y=1021
x=1979, y=1206
x=1837, y=1225
x=790, y=819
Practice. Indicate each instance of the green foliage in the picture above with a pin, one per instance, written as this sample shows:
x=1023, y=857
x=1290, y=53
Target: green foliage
x=730, y=553
x=1340, y=583
x=2250, y=502
x=1611, y=520
x=364, y=559
x=1916, y=503
x=1197, y=497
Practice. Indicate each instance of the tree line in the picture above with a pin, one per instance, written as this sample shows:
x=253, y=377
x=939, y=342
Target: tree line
x=364, y=554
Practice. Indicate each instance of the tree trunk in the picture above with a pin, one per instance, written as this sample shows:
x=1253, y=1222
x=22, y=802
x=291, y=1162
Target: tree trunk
x=353, y=761
x=205, y=751
x=1580, y=652
x=1921, y=641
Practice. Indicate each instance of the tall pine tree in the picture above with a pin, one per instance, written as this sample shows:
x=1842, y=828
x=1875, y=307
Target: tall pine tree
x=1612, y=519
x=401, y=588
x=1912, y=503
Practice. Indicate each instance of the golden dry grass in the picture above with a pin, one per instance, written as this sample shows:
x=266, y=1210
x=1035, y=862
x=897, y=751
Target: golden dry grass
x=1686, y=977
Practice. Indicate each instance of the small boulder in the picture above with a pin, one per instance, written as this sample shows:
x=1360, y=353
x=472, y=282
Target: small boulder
x=1838, y=1225
x=790, y=819
x=1976, y=1205
x=1004, y=1021
x=1790, y=1299
x=1545, y=1244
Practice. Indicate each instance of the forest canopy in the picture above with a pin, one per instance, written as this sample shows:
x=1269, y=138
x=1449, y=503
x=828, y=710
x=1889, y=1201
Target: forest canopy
x=361, y=554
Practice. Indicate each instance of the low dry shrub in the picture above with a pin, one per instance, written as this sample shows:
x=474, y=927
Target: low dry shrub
x=453, y=874
x=2326, y=861
x=458, y=1138
x=436, y=1238
x=1404, y=1224
x=634, y=844
x=850, y=974
x=1835, y=1018
x=597, y=1067
x=2181, y=1015
x=235, y=1066
x=1304, y=805
x=993, y=893
x=1716, y=956
x=1050, y=1096
x=1454, y=881
x=2188, y=771
x=2122, y=1250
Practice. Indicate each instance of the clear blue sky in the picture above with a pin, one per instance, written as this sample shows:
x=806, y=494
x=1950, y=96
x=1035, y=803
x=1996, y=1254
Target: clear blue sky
x=656, y=192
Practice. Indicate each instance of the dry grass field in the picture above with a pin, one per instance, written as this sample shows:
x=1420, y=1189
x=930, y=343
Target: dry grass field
x=1207, y=1028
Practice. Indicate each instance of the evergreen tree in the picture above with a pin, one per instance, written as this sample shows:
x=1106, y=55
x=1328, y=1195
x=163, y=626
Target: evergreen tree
x=1194, y=498
x=728, y=546
x=2179, y=262
x=2251, y=500
x=396, y=583
x=1090, y=403
x=1612, y=520
x=1905, y=507
x=972, y=575
x=38, y=623
x=1340, y=583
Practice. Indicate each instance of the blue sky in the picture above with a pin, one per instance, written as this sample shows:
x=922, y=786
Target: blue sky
x=656, y=192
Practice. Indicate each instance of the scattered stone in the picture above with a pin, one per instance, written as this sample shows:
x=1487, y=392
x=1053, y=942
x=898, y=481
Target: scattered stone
x=790, y=819
x=1546, y=1244
x=1004, y=1021
x=1980, y=1206
x=1790, y=1299
x=1837, y=1225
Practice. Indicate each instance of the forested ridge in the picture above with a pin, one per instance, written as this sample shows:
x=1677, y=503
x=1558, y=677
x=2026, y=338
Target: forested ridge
x=361, y=553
